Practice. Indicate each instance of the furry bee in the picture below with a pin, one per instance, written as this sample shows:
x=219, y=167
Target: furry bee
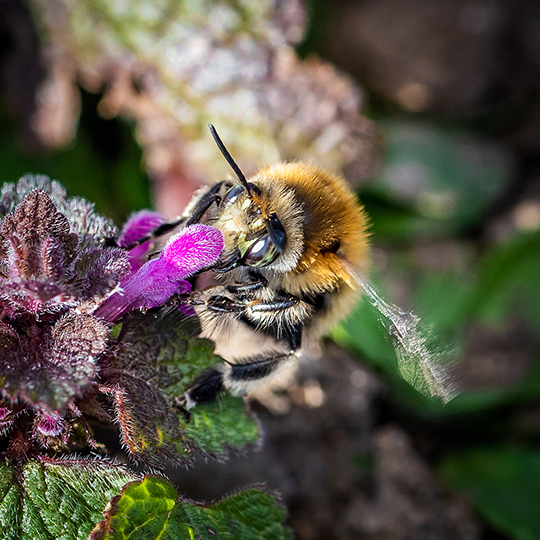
x=296, y=250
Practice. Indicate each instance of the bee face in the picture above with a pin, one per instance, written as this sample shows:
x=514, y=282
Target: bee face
x=262, y=231
x=291, y=234
x=294, y=263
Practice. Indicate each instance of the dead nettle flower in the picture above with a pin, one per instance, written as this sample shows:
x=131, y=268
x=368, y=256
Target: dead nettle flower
x=138, y=226
x=158, y=279
x=61, y=291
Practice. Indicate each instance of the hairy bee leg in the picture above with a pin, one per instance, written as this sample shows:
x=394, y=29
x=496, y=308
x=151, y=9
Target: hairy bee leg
x=294, y=336
x=237, y=378
x=248, y=288
x=225, y=304
x=249, y=311
x=205, y=202
x=285, y=302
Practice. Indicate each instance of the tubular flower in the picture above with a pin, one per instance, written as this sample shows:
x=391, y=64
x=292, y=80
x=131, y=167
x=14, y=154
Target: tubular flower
x=62, y=289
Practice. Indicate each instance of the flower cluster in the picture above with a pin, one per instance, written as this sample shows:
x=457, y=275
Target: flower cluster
x=62, y=290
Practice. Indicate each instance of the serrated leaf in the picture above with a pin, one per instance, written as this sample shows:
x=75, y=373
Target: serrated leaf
x=503, y=484
x=220, y=426
x=151, y=509
x=53, y=500
x=157, y=364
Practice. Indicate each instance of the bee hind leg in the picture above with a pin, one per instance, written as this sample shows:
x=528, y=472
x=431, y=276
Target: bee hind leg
x=237, y=378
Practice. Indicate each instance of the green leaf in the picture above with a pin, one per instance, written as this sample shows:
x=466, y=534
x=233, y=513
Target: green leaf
x=53, y=500
x=222, y=425
x=434, y=182
x=447, y=176
x=393, y=220
x=156, y=364
x=508, y=280
x=503, y=484
x=446, y=297
x=151, y=509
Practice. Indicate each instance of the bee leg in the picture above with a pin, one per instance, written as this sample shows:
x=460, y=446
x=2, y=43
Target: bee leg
x=216, y=302
x=204, y=203
x=159, y=231
x=281, y=303
x=240, y=377
x=294, y=336
x=246, y=289
x=237, y=378
x=224, y=304
x=252, y=370
x=206, y=387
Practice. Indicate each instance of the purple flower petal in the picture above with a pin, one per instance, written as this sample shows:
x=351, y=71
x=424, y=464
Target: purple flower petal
x=138, y=226
x=194, y=248
x=191, y=250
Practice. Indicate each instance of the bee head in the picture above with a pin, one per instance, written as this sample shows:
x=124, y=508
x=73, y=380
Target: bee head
x=257, y=236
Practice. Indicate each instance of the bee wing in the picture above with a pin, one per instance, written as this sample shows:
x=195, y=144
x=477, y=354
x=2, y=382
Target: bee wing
x=424, y=362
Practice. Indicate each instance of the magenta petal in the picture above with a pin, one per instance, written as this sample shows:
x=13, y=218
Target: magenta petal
x=137, y=257
x=188, y=311
x=194, y=248
x=138, y=226
x=191, y=250
x=153, y=284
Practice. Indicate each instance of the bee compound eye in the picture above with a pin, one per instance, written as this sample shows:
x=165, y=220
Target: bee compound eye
x=232, y=195
x=261, y=253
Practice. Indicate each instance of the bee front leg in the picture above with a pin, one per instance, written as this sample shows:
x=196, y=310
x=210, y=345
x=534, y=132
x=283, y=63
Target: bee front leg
x=247, y=289
x=225, y=304
x=205, y=202
x=201, y=207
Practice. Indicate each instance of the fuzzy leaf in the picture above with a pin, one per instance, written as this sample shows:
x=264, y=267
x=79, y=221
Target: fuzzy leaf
x=56, y=500
x=52, y=261
x=156, y=364
x=50, y=366
x=151, y=509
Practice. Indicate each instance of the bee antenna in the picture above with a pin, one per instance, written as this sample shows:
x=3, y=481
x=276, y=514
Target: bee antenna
x=230, y=160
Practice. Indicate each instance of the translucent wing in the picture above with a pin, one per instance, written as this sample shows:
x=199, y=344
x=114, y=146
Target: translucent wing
x=423, y=361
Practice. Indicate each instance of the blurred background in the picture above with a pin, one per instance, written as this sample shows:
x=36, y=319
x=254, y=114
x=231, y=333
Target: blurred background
x=431, y=109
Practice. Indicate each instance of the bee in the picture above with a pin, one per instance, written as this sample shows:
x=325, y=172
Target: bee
x=296, y=250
